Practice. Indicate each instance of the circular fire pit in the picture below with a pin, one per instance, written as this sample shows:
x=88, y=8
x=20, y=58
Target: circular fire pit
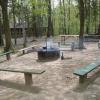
x=48, y=53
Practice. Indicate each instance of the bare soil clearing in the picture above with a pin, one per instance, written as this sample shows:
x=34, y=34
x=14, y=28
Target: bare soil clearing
x=57, y=83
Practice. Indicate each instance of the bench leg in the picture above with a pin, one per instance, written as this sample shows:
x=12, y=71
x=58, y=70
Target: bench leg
x=28, y=78
x=32, y=48
x=63, y=40
x=82, y=79
x=8, y=56
x=62, y=56
x=23, y=52
x=72, y=46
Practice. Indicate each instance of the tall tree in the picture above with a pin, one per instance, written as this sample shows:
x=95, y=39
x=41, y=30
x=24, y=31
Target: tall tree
x=6, y=29
x=69, y=2
x=87, y=15
x=14, y=20
x=64, y=14
x=60, y=17
x=82, y=20
x=50, y=24
x=34, y=21
x=23, y=22
x=1, y=39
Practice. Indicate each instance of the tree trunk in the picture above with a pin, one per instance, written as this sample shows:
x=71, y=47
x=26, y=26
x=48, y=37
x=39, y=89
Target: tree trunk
x=34, y=24
x=24, y=36
x=64, y=13
x=82, y=19
x=1, y=31
x=34, y=27
x=14, y=21
x=87, y=15
x=98, y=29
x=6, y=24
x=50, y=24
x=60, y=18
x=69, y=2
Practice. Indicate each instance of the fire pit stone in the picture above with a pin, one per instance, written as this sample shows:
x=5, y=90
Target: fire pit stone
x=45, y=53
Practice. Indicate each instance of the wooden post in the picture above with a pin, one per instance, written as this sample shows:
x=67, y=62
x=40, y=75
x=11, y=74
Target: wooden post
x=28, y=79
x=58, y=44
x=62, y=56
x=82, y=78
x=23, y=51
x=72, y=46
x=8, y=56
x=63, y=39
x=32, y=48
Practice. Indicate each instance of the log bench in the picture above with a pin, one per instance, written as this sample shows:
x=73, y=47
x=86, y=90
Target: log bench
x=7, y=54
x=27, y=73
x=82, y=72
x=24, y=50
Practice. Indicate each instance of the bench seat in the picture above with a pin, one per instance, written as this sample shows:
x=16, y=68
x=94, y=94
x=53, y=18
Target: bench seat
x=63, y=47
x=7, y=54
x=82, y=72
x=64, y=37
x=27, y=73
x=26, y=49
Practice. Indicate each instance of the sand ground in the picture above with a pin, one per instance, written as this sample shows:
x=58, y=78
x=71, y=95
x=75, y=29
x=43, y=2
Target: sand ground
x=57, y=83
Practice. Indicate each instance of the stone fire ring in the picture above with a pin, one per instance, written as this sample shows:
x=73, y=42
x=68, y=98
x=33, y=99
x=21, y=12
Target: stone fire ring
x=48, y=54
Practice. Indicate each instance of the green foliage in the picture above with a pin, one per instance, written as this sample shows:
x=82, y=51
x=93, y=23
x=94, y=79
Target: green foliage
x=39, y=8
x=72, y=23
x=39, y=12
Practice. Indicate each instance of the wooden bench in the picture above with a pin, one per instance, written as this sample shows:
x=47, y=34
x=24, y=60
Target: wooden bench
x=64, y=47
x=91, y=38
x=24, y=50
x=82, y=72
x=99, y=44
x=64, y=37
x=7, y=54
x=27, y=73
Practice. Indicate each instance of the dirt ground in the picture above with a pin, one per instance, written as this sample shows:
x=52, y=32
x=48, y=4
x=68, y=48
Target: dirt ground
x=57, y=83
